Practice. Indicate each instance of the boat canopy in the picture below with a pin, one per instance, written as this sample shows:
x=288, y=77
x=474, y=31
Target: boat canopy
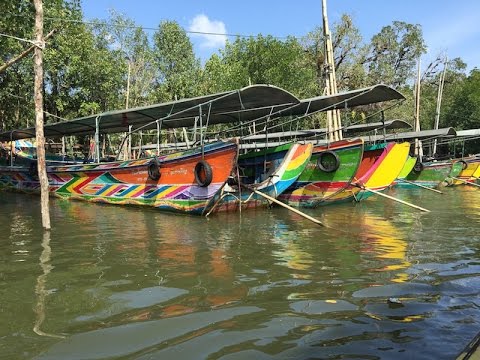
x=242, y=105
x=468, y=133
x=421, y=135
x=365, y=96
x=232, y=106
x=305, y=134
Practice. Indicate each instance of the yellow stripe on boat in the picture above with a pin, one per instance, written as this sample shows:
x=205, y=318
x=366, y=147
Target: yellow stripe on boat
x=390, y=167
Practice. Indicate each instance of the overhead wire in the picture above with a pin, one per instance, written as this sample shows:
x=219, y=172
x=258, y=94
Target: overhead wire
x=106, y=23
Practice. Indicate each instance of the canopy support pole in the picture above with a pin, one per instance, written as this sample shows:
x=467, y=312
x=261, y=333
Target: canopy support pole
x=97, y=139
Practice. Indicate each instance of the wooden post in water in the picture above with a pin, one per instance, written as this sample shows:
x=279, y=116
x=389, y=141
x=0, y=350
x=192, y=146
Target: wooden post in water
x=38, y=94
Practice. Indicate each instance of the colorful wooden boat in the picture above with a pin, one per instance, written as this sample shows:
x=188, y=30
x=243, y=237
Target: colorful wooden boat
x=381, y=165
x=330, y=171
x=185, y=182
x=457, y=168
x=470, y=171
x=430, y=174
x=267, y=172
x=407, y=168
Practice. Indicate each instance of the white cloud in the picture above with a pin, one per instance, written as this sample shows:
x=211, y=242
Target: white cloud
x=202, y=24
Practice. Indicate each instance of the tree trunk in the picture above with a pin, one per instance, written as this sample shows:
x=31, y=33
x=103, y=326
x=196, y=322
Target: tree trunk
x=38, y=94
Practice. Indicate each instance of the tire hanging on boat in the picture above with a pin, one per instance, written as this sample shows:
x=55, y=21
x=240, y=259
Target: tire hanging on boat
x=418, y=167
x=464, y=164
x=203, y=173
x=328, y=161
x=154, y=170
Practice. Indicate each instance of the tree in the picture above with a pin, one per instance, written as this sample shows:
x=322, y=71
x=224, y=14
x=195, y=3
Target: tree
x=391, y=56
x=346, y=43
x=131, y=43
x=178, y=69
x=262, y=60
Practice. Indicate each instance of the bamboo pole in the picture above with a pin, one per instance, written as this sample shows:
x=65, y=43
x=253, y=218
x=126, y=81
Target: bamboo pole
x=38, y=94
x=466, y=182
x=308, y=217
x=393, y=198
x=421, y=186
x=331, y=81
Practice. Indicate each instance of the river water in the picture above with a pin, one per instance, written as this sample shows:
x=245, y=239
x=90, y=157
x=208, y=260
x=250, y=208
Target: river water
x=383, y=281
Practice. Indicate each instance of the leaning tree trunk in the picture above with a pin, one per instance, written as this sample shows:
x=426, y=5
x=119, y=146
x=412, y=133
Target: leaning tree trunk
x=38, y=91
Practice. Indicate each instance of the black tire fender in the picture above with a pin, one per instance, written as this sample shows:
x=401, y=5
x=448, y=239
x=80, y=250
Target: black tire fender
x=203, y=173
x=328, y=161
x=418, y=167
x=154, y=170
x=464, y=164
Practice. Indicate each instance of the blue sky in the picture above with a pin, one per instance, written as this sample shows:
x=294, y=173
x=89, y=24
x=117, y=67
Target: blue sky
x=451, y=27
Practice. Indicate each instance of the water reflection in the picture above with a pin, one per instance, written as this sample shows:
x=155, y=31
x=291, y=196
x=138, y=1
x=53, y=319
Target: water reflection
x=130, y=283
x=40, y=288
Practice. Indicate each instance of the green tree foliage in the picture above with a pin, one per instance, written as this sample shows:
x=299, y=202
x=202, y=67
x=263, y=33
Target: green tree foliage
x=346, y=43
x=464, y=112
x=392, y=54
x=178, y=68
x=262, y=60
x=87, y=67
x=16, y=83
x=132, y=46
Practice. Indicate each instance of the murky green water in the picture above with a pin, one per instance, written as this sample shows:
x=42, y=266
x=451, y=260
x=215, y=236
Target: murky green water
x=129, y=283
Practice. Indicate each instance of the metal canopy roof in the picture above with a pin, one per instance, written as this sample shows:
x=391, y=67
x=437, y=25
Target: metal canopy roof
x=389, y=124
x=358, y=97
x=468, y=133
x=247, y=103
x=422, y=135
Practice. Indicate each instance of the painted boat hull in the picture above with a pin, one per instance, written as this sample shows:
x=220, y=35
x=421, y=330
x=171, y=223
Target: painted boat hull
x=129, y=183
x=407, y=168
x=315, y=186
x=268, y=172
x=381, y=165
x=470, y=172
x=430, y=174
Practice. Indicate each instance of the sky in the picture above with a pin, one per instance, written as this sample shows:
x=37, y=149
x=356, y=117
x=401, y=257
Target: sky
x=449, y=27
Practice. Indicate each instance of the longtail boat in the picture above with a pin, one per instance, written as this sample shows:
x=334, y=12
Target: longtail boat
x=381, y=165
x=268, y=172
x=333, y=165
x=469, y=172
x=330, y=171
x=187, y=181
x=431, y=174
x=407, y=168
x=183, y=182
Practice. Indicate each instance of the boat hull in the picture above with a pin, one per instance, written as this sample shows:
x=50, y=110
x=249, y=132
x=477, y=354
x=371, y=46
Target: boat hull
x=316, y=186
x=269, y=172
x=470, y=172
x=430, y=174
x=381, y=165
x=130, y=182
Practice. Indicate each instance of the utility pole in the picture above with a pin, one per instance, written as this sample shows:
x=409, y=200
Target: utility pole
x=38, y=94
x=439, y=102
x=334, y=123
x=418, y=143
